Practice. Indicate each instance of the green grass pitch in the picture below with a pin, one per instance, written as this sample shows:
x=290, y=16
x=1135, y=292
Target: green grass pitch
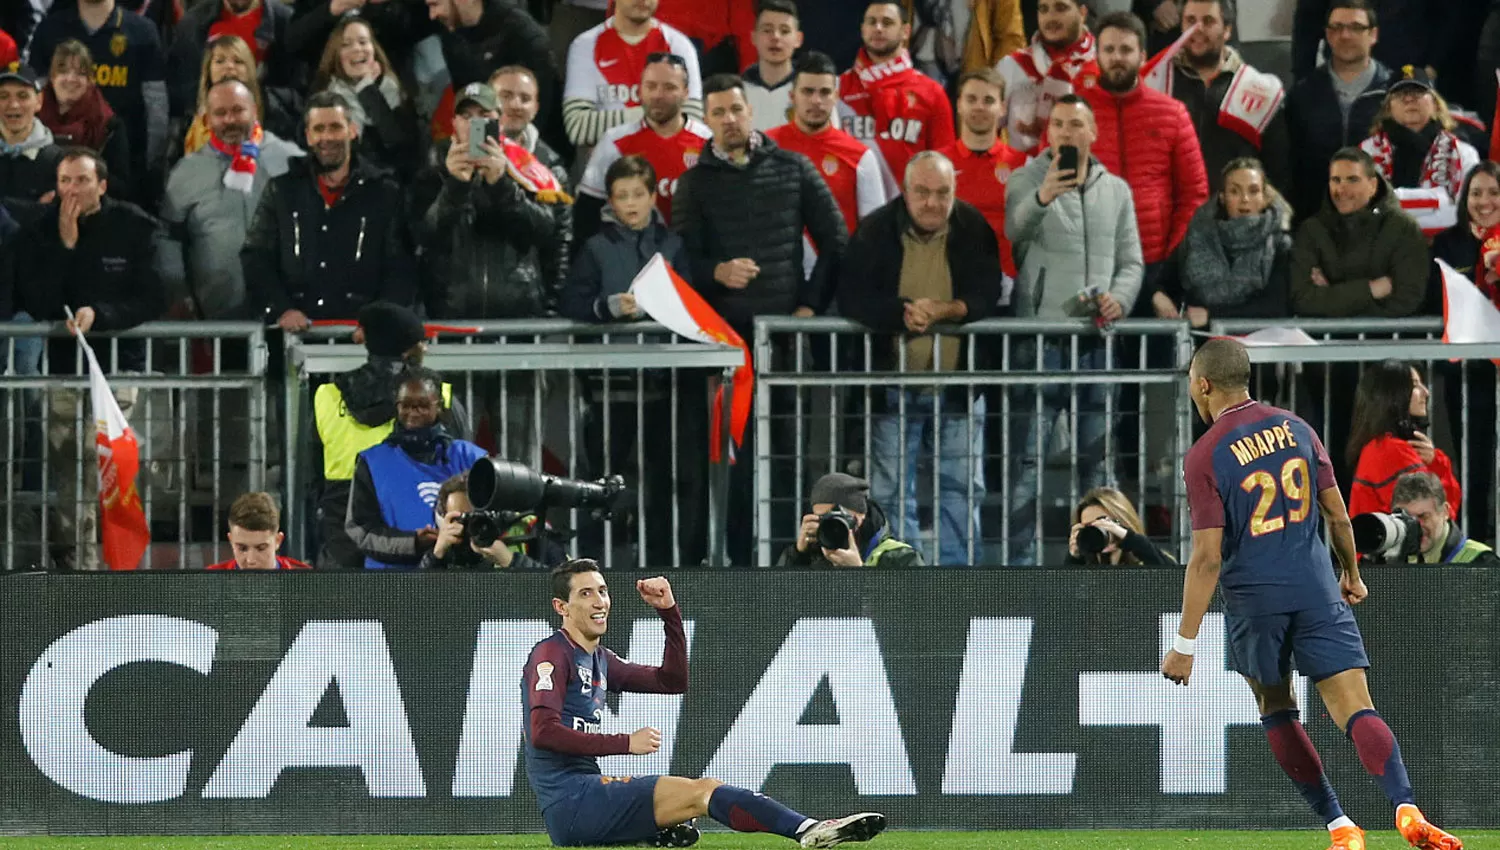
x=1029, y=839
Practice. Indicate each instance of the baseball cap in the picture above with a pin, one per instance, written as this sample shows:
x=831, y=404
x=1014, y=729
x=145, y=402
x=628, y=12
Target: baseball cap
x=16, y=72
x=479, y=93
x=1411, y=77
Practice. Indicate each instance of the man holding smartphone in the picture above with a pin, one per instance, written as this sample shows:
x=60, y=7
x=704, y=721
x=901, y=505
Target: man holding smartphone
x=1077, y=251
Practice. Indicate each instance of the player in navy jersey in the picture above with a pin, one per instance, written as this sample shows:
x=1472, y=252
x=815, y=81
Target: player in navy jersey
x=562, y=694
x=1260, y=486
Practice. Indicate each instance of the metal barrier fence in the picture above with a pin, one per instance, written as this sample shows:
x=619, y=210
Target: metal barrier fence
x=577, y=400
x=843, y=399
x=194, y=393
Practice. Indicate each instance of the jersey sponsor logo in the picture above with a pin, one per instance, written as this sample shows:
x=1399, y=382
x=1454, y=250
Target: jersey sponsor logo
x=111, y=76
x=592, y=727
x=544, y=676
x=118, y=43
x=898, y=129
x=629, y=95
x=830, y=165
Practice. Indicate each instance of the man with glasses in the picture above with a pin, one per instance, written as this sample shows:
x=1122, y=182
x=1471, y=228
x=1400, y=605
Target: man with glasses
x=1336, y=104
x=665, y=136
x=604, y=87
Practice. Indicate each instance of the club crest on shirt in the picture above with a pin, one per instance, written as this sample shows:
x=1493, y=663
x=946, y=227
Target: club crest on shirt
x=544, y=676
x=117, y=44
x=690, y=158
x=1002, y=173
x=911, y=99
x=830, y=165
x=586, y=677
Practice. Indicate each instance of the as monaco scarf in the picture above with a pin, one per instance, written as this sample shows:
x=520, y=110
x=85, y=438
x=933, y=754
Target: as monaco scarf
x=1039, y=64
x=533, y=176
x=1442, y=169
x=1251, y=103
x=242, y=157
x=877, y=75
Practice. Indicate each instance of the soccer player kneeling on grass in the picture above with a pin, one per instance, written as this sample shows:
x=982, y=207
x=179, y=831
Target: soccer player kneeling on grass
x=563, y=689
x=1259, y=486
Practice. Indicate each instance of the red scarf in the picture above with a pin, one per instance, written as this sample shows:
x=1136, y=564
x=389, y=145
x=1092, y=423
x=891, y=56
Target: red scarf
x=87, y=123
x=877, y=75
x=1487, y=276
x=1442, y=169
x=533, y=176
x=1040, y=61
x=242, y=157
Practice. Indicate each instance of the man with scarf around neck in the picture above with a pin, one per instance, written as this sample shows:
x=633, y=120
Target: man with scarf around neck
x=1211, y=79
x=330, y=235
x=357, y=410
x=1059, y=56
x=211, y=197
x=391, y=501
x=28, y=153
x=1415, y=148
x=884, y=101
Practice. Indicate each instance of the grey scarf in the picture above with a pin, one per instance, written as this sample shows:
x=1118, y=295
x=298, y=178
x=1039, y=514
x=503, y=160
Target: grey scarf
x=1228, y=261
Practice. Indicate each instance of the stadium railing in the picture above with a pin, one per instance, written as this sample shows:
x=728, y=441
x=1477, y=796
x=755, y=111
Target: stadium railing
x=818, y=380
x=198, y=407
x=1319, y=383
x=568, y=399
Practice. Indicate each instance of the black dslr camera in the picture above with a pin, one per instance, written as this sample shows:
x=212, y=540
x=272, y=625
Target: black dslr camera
x=503, y=491
x=1386, y=538
x=1092, y=541
x=836, y=529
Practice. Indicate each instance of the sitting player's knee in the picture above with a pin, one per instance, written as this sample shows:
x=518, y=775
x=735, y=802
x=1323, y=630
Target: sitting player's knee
x=706, y=788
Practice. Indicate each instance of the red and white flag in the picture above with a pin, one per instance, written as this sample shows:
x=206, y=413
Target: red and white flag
x=122, y=517
x=1157, y=72
x=1468, y=315
x=664, y=296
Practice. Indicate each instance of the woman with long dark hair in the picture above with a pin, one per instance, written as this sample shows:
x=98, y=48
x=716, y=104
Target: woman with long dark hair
x=356, y=67
x=1388, y=438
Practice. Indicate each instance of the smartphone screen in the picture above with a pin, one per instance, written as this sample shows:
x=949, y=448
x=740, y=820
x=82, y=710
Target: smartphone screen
x=1067, y=158
x=476, y=138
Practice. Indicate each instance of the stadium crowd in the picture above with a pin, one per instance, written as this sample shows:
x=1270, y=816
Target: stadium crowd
x=394, y=160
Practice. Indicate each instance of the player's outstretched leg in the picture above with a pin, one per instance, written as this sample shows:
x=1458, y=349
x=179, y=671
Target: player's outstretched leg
x=678, y=800
x=1295, y=753
x=1347, y=696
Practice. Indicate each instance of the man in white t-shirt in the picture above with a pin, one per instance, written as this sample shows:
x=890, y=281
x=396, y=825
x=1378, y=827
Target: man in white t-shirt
x=604, y=70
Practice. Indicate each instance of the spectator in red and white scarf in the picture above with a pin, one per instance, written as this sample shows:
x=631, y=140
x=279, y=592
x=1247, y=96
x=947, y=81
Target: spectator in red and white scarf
x=76, y=112
x=1414, y=145
x=1061, y=52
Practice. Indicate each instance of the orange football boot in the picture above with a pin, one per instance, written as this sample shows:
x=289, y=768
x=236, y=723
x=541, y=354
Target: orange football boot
x=1421, y=834
x=1348, y=837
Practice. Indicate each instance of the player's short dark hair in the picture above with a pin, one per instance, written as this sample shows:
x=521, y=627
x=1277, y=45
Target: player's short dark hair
x=627, y=167
x=325, y=100
x=1416, y=486
x=255, y=512
x=1358, y=157
x=1226, y=9
x=816, y=63
x=901, y=9
x=457, y=484
x=1357, y=5
x=1382, y=405
x=719, y=83
x=785, y=7
x=1126, y=21
x=562, y=575
x=1225, y=363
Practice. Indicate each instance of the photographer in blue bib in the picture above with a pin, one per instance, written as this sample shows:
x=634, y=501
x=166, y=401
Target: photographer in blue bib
x=846, y=529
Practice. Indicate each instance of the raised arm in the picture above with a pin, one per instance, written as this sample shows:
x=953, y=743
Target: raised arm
x=672, y=676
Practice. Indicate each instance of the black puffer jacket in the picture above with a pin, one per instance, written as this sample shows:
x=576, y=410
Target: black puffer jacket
x=494, y=251
x=328, y=261
x=27, y=178
x=758, y=211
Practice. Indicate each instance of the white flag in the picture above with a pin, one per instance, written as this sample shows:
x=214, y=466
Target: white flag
x=1468, y=316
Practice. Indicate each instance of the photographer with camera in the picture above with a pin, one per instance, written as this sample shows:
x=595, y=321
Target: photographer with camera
x=1419, y=497
x=1107, y=531
x=846, y=529
x=390, y=513
x=469, y=540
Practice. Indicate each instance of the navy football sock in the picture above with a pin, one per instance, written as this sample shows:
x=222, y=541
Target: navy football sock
x=747, y=811
x=1381, y=755
x=1295, y=753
